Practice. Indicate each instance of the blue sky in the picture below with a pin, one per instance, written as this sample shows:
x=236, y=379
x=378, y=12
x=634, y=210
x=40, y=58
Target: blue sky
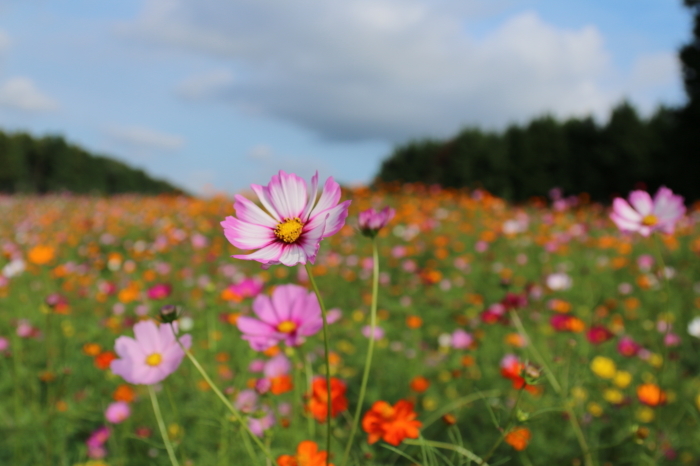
x=216, y=94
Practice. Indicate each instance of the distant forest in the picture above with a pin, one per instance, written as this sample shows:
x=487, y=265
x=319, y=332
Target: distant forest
x=577, y=155
x=33, y=165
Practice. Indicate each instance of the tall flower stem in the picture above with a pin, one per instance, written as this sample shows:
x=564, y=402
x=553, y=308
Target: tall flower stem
x=221, y=396
x=161, y=427
x=587, y=457
x=505, y=429
x=370, y=350
x=328, y=359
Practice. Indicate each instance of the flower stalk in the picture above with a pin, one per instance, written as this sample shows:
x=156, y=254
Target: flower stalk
x=161, y=427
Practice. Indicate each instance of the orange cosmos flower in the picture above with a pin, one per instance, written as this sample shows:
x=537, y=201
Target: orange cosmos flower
x=307, y=455
x=391, y=423
x=518, y=438
x=124, y=393
x=104, y=359
x=650, y=394
x=92, y=349
x=419, y=384
x=318, y=404
x=414, y=322
x=282, y=384
x=41, y=255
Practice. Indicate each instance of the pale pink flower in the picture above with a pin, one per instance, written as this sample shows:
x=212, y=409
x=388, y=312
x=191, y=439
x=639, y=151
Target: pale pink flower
x=646, y=215
x=461, y=339
x=290, y=229
x=152, y=356
x=117, y=412
x=290, y=315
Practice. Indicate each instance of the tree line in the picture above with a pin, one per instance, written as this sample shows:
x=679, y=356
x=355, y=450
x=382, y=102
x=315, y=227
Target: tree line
x=32, y=165
x=577, y=155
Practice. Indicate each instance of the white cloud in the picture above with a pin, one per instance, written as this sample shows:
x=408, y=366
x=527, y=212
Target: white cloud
x=145, y=139
x=20, y=93
x=386, y=69
x=266, y=161
x=205, y=85
x=655, y=70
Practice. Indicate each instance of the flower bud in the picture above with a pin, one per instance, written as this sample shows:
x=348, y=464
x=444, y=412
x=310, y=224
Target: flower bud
x=169, y=313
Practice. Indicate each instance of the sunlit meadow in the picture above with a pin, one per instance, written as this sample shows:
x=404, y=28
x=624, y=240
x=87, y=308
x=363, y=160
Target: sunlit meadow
x=518, y=334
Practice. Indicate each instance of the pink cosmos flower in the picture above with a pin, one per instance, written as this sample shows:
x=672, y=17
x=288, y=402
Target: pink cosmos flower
x=290, y=315
x=371, y=221
x=247, y=288
x=117, y=412
x=461, y=339
x=628, y=347
x=160, y=291
x=152, y=356
x=646, y=215
x=290, y=229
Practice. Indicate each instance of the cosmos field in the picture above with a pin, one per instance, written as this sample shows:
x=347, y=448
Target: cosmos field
x=532, y=334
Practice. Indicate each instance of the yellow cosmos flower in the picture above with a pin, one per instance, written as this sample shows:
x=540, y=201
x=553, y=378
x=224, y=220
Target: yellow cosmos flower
x=603, y=367
x=622, y=379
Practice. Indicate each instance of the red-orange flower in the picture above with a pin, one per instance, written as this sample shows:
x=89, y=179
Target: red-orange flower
x=419, y=384
x=281, y=384
x=104, y=359
x=307, y=455
x=391, y=423
x=518, y=438
x=124, y=393
x=650, y=394
x=318, y=404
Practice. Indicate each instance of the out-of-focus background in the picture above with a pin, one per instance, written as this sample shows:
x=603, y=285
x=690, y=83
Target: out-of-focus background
x=211, y=95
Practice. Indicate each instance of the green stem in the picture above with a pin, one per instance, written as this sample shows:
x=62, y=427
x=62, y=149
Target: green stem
x=161, y=426
x=457, y=404
x=328, y=359
x=448, y=446
x=587, y=457
x=221, y=396
x=370, y=350
x=507, y=427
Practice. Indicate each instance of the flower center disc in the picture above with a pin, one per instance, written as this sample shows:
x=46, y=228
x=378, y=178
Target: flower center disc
x=289, y=230
x=287, y=326
x=154, y=359
x=650, y=220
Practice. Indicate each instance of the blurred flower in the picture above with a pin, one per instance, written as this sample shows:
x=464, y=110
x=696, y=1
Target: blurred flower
x=461, y=339
x=41, y=255
x=622, y=379
x=603, y=367
x=558, y=281
x=598, y=334
x=512, y=368
x=318, y=404
x=371, y=221
x=651, y=395
x=289, y=232
x=391, y=423
x=645, y=215
x=4, y=344
x=378, y=333
x=518, y=438
x=628, y=347
x=151, y=356
x=333, y=315
x=117, y=412
x=645, y=262
x=307, y=455
x=95, y=443
x=694, y=327
x=258, y=425
x=290, y=315
x=160, y=291
x=246, y=401
x=104, y=360
x=277, y=370
x=419, y=384
x=124, y=393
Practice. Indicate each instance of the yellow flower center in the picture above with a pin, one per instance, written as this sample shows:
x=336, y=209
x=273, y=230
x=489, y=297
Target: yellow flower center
x=287, y=326
x=650, y=220
x=289, y=230
x=154, y=359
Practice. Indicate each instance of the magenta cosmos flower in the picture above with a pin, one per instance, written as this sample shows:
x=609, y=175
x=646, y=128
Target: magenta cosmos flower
x=290, y=229
x=370, y=221
x=290, y=315
x=646, y=215
x=152, y=356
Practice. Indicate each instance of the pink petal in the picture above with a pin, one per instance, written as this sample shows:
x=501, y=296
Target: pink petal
x=312, y=197
x=247, y=211
x=246, y=235
x=265, y=310
x=336, y=219
x=329, y=197
x=641, y=201
x=624, y=224
x=147, y=336
x=293, y=254
x=128, y=348
x=262, y=194
x=268, y=254
x=622, y=209
x=287, y=193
